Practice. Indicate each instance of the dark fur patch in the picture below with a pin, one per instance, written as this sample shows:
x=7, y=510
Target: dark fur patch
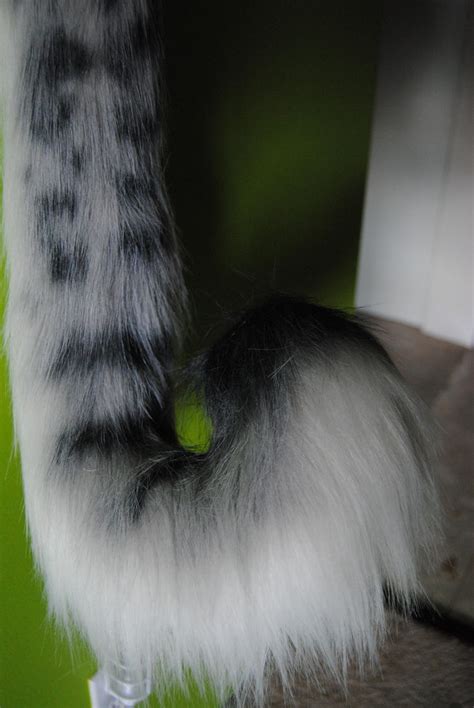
x=242, y=370
x=64, y=112
x=114, y=349
x=139, y=42
x=49, y=122
x=65, y=58
x=47, y=109
x=139, y=432
x=56, y=203
x=67, y=267
x=136, y=127
x=103, y=438
x=77, y=161
x=145, y=243
x=138, y=189
x=109, y=5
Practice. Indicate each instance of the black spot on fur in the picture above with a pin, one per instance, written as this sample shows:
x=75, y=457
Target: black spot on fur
x=77, y=161
x=109, y=5
x=66, y=266
x=135, y=127
x=64, y=112
x=49, y=122
x=139, y=131
x=136, y=188
x=140, y=42
x=65, y=58
x=57, y=203
x=48, y=65
x=65, y=258
x=145, y=243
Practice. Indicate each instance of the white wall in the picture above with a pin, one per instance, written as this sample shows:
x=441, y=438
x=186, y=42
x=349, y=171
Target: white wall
x=416, y=261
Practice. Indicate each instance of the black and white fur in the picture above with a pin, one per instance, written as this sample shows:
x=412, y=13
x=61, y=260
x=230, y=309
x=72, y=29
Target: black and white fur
x=276, y=547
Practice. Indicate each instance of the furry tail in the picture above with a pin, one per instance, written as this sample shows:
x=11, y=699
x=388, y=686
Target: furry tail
x=274, y=547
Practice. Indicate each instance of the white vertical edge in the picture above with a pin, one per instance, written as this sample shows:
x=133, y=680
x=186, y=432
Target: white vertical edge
x=415, y=102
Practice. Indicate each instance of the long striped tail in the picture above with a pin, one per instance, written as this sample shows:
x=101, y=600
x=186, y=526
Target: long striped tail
x=275, y=547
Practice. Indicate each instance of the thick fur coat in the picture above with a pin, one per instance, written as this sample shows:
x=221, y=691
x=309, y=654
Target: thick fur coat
x=277, y=546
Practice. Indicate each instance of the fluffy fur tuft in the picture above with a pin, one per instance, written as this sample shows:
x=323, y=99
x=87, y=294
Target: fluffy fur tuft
x=276, y=547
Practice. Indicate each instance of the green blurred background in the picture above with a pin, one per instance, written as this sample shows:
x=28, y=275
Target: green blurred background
x=269, y=112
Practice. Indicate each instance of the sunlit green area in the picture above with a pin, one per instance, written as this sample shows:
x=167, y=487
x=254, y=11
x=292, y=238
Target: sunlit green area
x=268, y=121
x=193, y=426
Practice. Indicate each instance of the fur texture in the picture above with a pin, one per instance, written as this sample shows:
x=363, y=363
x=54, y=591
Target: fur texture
x=275, y=547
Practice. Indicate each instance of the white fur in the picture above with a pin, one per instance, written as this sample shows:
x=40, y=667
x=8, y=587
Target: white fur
x=279, y=559
x=345, y=509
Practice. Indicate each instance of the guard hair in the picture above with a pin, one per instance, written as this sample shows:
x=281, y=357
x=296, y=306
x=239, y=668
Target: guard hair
x=277, y=547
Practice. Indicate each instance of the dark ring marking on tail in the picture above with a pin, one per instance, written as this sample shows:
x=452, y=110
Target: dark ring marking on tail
x=142, y=432
x=104, y=438
x=114, y=349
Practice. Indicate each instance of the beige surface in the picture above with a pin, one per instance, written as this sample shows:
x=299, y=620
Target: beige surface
x=419, y=667
x=443, y=374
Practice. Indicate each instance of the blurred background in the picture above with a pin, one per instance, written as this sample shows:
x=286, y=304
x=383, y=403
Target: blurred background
x=280, y=114
x=269, y=115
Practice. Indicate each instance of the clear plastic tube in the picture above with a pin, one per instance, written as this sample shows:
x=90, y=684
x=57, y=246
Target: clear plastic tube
x=115, y=686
